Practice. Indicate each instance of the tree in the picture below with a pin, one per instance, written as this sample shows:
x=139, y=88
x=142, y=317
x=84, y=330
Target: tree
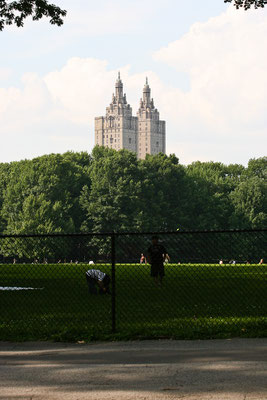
x=4, y=177
x=250, y=196
x=15, y=12
x=112, y=201
x=42, y=195
x=247, y=3
x=250, y=201
x=257, y=167
x=210, y=184
x=163, y=194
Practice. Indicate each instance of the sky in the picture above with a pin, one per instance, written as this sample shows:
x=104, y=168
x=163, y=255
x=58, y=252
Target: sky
x=206, y=63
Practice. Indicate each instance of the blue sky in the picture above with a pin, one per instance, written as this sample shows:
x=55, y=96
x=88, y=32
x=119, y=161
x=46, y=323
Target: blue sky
x=205, y=62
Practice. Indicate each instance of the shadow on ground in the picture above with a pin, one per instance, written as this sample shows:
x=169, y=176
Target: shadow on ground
x=179, y=368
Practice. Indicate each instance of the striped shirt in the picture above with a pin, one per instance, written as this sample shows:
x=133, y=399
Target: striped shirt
x=96, y=274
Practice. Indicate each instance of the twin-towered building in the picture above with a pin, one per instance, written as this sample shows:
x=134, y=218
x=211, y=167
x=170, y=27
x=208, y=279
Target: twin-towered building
x=119, y=129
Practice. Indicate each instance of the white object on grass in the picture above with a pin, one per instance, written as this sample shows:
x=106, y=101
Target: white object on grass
x=19, y=288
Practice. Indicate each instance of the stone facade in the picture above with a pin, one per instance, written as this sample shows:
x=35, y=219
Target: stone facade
x=119, y=129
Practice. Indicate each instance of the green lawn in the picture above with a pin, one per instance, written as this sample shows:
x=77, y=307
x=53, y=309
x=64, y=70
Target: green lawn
x=196, y=301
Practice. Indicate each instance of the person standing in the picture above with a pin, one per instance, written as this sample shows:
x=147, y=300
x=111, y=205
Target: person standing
x=156, y=254
x=142, y=259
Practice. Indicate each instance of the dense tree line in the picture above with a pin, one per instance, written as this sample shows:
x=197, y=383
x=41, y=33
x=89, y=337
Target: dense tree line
x=110, y=190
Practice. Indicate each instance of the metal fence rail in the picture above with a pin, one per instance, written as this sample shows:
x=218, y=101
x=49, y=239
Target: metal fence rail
x=206, y=284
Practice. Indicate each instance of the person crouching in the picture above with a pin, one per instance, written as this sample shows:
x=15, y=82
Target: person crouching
x=94, y=278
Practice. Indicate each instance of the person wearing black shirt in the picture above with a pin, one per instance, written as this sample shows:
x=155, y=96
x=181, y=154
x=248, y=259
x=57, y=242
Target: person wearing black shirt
x=156, y=254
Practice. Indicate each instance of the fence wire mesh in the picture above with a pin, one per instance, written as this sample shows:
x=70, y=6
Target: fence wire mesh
x=178, y=284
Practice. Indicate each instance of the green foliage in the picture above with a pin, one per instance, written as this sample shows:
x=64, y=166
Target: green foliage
x=257, y=167
x=250, y=201
x=42, y=195
x=249, y=197
x=112, y=202
x=4, y=176
x=113, y=191
x=247, y=4
x=163, y=194
x=15, y=12
x=210, y=184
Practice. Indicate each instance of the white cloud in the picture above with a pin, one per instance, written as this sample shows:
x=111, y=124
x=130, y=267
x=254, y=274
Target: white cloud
x=222, y=117
x=82, y=87
x=226, y=60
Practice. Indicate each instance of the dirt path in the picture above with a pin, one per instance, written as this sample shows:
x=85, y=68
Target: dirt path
x=203, y=370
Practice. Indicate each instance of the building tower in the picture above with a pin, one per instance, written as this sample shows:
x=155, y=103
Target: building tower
x=118, y=128
x=151, y=131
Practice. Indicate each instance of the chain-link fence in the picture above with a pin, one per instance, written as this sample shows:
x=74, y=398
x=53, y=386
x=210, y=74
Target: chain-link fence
x=178, y=284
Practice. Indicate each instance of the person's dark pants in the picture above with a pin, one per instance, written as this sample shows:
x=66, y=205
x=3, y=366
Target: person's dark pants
x=157, y=270
x=106, y=282
x=91, y=284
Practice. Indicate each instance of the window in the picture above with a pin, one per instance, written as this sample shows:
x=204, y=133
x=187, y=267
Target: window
x=130, y=140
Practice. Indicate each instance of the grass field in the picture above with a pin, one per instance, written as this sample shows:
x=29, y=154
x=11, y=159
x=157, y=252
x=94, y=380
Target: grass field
x=196, y=301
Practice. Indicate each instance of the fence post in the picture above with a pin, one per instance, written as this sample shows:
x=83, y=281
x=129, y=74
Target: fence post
x=113, y=296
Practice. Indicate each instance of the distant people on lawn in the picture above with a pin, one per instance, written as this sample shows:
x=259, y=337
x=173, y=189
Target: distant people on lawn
x=221, y=262
x=143, y=259
x=261, y=261
x=156, y=255
x=167, y=259
x=96, y=278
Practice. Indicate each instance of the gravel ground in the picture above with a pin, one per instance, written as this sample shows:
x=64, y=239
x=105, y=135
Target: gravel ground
x=166, y=369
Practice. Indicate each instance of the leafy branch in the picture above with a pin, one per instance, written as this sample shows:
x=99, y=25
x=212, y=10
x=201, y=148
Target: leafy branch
x=16, y=12
x=247, y=3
